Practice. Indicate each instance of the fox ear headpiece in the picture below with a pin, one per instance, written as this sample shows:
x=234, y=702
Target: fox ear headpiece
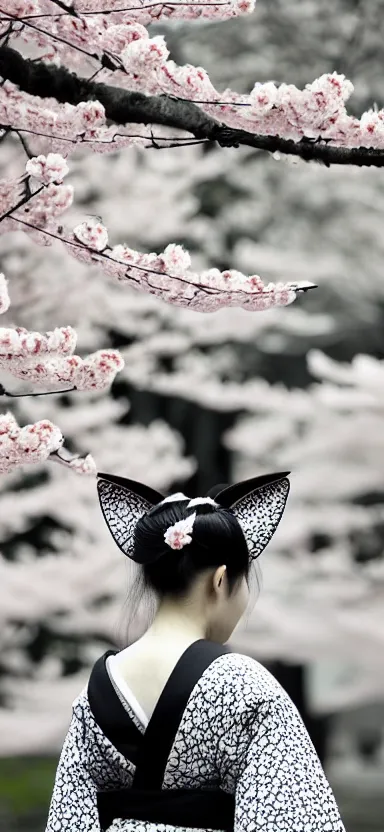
x=257, y=503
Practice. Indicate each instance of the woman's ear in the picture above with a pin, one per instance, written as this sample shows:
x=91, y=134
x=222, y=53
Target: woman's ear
x=219, y=579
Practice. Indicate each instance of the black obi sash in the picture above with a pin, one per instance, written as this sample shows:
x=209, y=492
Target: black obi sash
x=146, y=800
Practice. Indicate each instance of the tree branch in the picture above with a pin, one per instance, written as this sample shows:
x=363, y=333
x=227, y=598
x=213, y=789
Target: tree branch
x=306, y=149
x=122, y=107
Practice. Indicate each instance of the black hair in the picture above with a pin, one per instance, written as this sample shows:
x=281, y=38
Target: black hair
x=217, y=539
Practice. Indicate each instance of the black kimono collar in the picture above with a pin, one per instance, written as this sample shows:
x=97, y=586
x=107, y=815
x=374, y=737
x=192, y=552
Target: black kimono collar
x=155, y=745
x=109, y=712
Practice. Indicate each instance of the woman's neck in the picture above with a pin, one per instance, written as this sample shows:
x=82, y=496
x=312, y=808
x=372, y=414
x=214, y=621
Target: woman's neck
x=178, y=623
x=147, y=663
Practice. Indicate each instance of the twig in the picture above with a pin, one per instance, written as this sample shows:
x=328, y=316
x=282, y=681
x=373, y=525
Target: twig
x=23, y=201
x=83, y=140
x=4, y=392
x=24, y=144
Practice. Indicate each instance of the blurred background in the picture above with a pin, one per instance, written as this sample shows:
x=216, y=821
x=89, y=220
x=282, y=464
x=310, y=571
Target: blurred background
x=208, y=399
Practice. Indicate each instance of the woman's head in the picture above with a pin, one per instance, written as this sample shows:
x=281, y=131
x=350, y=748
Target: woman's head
x=210, y=571
x=213, y=568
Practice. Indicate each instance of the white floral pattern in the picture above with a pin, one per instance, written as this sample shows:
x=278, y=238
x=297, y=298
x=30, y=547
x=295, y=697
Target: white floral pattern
x=239, y=731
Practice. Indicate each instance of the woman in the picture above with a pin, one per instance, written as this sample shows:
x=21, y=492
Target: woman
x=176, y=731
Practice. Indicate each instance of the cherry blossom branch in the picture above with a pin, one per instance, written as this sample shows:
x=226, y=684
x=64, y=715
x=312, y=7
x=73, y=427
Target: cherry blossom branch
x=37, y=443
x=36, y=356
x=196, y=9
x=71, y=10
x=76, y=462
x=122, y=106
x=168, y=275
x=95, y=372
x=49, y=358
x=22, y=356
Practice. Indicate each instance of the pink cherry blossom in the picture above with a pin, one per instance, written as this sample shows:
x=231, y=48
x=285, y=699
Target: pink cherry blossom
x=117, y=37
x=90, y=115
x=7, y=423
x=47, y=169
x=20, y=343
x=372, y=128
x=263, y=97
x=176, y=260
x=92, y=233
x=148, y=53
x=84, y=465
x=98, y=370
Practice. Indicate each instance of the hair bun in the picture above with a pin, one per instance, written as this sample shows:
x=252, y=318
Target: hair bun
x=216, y=489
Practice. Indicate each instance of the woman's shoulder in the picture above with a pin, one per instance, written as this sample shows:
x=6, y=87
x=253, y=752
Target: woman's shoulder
x=249, y=669
x=245, y=679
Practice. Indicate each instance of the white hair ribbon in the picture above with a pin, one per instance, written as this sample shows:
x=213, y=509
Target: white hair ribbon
x=174, y=498
x=202, y=501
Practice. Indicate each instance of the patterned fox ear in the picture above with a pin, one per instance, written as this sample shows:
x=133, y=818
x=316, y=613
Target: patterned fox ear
x=123, y=502
x=258, y=504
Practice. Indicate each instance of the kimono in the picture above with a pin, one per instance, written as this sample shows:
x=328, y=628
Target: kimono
x=224, y=749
